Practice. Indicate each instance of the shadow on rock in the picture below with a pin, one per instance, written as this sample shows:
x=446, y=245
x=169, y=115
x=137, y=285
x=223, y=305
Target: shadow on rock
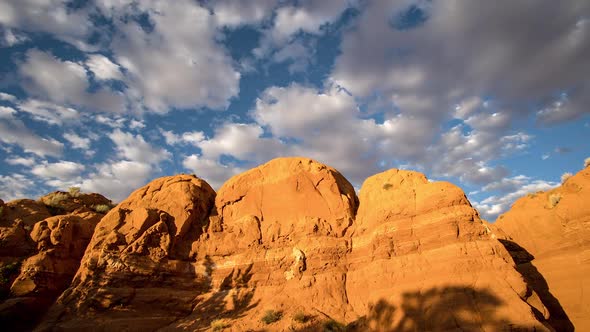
x=436, y=309
x=558, y=318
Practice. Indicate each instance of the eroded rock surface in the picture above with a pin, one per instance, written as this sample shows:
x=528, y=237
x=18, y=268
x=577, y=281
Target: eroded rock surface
x=286, y=237
x=551, y=232
x=137, y=273
x=422, y=252
x=40, y=254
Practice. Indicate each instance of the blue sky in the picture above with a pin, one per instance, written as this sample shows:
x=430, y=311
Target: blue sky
x=107, y=95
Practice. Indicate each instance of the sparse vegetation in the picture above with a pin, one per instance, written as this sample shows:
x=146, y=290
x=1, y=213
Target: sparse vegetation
x=7, y=271
x=387, y=186
x=554, y=199
x=219, y=325
x=102, y=208
x=271, y=316
x=586, y=162
x=1, y=210
x=55, y=199
x=333, y=326
x=565, y=176
x=74, y=191
x=300, y=317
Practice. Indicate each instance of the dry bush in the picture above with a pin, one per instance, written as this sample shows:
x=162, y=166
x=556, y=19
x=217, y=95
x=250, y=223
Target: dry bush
x=271, y=316
x=219, y=325
x=565, y=176
x=554, y=199
x=102, y=208
x=55, y=199
x=74, y=191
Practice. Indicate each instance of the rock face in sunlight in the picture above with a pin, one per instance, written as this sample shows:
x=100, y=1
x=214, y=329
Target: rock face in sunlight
x=420, y=248
x=42, y=243
x=550, y=233
x=282, y=247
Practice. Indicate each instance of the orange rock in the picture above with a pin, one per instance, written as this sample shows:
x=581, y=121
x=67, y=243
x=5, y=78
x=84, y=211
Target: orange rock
x=552, y=227
x=421, y=252
x=280, y=241
x=137, y=264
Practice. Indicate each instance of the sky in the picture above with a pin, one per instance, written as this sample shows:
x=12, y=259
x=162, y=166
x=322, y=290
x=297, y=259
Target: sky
x=107, y=95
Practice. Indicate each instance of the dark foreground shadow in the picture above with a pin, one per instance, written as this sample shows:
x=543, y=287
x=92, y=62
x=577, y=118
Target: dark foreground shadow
x=436, y=309
x=558, y=318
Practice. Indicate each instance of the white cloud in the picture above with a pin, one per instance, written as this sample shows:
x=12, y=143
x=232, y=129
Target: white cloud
x=12, y=38
x=22, y=161
x=7, y=97
x=135, y=148
x=65, y=82
x=178, y=63
x=233, y=13
x=15, y=132
x=116, y=180
x=58, y=170
x=49, y=112
x=15, y=186
x=214, y=172
x=511, y=189
x=51, y=16
x=77, y=141
x=103, y=68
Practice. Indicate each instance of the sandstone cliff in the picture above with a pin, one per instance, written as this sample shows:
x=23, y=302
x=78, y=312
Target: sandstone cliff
x=289, y=246
x=549, y=232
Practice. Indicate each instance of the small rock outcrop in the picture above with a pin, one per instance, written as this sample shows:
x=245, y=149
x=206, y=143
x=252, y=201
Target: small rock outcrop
x=40, y=253
x=138, y=273
x=550, y=232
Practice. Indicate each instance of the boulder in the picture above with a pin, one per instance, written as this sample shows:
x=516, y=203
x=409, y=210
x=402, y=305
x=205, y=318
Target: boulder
x=137, y=272
x=550, y=231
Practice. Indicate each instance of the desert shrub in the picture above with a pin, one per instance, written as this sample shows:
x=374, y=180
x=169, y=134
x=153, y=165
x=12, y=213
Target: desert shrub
x=333, y=326
x=74, y=191
x=219, y=325
x=271, y=316
x=565, y=176
x=56, y=199
x=102, y=208
x=586, y=162
x=387, y=186
x=554, y=199
x=7, y=271
x=300, y=317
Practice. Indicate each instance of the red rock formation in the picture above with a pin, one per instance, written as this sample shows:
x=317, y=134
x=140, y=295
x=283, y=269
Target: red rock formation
x=553, y=228
x=39, y=255
x=283, y=237
x=137, y=273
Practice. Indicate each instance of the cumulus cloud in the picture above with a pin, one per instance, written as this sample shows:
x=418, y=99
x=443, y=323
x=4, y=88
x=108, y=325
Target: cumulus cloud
x=22, y=161
x=60, y=175
x=481, y=47
x=15, y=132
x=103, y=68
x=176, y=62
x=77, y=141
x=510, y=189
x=65, y=82
x=15, y=186
x=116, y=180
x=214, y=172
x=49, y=112
x=233, y=13
x=135, y=148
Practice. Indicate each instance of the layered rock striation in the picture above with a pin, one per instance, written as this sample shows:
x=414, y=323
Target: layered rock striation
x=289, y=246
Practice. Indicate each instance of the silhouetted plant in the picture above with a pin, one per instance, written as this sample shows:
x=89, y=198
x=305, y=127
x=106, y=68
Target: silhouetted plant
x=271, y=316
x=586, y=162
